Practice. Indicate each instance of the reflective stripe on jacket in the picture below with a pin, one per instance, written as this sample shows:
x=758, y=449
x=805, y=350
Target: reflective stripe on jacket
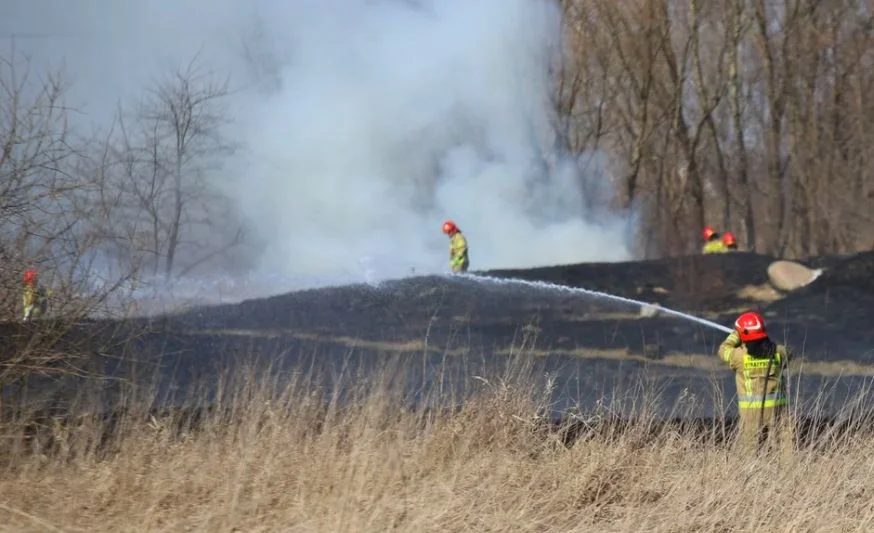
x=759, y=381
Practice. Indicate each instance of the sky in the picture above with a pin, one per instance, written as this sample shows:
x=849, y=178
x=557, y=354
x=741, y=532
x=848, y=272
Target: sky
x=363, y=124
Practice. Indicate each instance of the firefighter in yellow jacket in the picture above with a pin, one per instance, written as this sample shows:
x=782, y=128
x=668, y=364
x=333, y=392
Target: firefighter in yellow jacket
x=759, y=366
x=712, y=241
x=458, y=256
x=34, y=300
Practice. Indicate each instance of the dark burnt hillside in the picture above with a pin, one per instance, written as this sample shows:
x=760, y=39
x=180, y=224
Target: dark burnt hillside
x=708, y=283
x=473, y=313
x=836, y=310
x=843, y=296
x=467, y=324
x=829, y=320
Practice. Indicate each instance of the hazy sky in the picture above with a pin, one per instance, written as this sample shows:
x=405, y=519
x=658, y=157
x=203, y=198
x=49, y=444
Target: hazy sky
x=370, y=123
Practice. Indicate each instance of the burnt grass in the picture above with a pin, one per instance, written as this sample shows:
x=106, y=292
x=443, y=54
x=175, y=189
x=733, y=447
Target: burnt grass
x=455, y=327
x=829, y=320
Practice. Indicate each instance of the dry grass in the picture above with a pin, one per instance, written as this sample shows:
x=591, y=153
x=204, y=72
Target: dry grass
x=759, y=293
x=283, y=455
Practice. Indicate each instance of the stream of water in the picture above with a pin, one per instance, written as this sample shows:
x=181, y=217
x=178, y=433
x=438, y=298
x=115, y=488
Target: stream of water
x=543, y=285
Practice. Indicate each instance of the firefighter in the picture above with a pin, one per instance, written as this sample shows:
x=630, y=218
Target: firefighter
x=712, y=242
x=35, y=296
x=729, y=241
x=458, y=256
x=759, y=365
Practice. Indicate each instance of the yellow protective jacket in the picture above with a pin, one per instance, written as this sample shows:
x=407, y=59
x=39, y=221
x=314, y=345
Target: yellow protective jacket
x=760, y=381
x=714, y=247
x=29, y=296
x=458, y=258
x=34, y=300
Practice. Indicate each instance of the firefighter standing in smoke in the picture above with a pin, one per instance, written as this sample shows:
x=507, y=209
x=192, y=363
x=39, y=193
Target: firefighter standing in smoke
x=712, y=242
x=759, y=366
x=458, y=257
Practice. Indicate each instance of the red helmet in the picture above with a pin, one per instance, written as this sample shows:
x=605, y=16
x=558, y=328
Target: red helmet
x=728, y=239
x=750, y=326
x=29, y=276
x=449, y=227
x=708, y=232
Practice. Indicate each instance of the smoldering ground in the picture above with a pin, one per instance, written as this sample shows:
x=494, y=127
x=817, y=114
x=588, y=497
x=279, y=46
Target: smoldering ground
x=360, y=126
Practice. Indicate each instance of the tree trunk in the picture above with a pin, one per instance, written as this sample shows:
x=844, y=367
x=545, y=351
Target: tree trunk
x=175, y=223
x=737, y=31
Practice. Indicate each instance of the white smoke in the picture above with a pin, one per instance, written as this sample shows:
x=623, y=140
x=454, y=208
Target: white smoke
x=380, y=120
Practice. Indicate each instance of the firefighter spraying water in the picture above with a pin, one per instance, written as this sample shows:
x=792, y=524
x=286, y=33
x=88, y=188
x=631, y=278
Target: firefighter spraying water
x=759, y=365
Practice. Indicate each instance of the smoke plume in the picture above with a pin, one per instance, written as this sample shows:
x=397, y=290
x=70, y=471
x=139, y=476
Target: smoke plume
x=365, y=124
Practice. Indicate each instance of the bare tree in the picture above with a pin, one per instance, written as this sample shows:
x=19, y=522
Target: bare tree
x=743, y=113
x=260, y=57
x=709, y=85
x=180, y=140
x=42, y=219
x=53, y=207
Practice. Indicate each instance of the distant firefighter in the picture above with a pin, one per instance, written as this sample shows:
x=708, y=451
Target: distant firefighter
x=458, y=256
x=729, y=241
x=712, y=242
x=35, y=296
x=759, y=367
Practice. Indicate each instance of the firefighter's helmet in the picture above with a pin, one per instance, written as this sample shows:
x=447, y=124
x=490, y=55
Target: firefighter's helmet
x=708, y=232
x=449, y=227
x=750, y=326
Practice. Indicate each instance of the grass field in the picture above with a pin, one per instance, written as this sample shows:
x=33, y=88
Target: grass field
x=279, y=454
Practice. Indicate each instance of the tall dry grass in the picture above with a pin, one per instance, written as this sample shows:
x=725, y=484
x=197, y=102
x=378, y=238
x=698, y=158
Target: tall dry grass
x=280, y=453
